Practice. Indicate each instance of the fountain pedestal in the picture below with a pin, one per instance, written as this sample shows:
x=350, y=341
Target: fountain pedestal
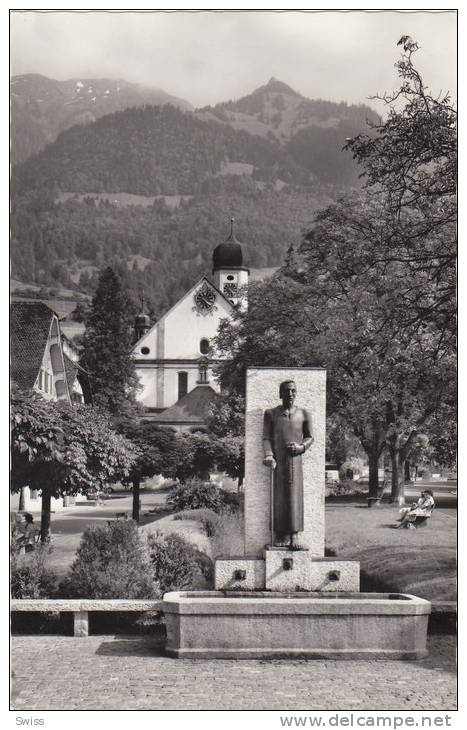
x=276, y=602
x=234, y=625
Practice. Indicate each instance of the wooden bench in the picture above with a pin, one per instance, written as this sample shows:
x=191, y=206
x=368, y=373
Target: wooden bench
x=80, y=608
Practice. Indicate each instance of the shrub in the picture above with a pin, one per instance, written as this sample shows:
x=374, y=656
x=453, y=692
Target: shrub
x=112, y=561
x=233, y=501
x=177, y=565
x=207, y=517
x=195, y=494
x=346, y=487
x=30, y=577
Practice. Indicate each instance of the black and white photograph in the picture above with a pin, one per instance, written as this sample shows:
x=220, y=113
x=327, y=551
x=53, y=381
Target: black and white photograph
x=233, y=366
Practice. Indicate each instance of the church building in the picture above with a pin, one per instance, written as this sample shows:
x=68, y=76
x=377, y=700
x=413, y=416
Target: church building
x=174, y=357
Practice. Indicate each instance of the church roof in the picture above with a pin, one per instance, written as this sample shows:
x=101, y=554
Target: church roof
x=192, y=408
x=29, y=331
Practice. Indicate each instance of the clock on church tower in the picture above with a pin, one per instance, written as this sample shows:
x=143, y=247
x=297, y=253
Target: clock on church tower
x=205, y=299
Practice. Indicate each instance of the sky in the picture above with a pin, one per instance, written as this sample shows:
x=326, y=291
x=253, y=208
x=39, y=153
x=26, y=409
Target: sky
x=208, y=56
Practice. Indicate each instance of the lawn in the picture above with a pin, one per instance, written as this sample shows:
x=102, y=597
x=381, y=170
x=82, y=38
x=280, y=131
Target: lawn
x=422, y=561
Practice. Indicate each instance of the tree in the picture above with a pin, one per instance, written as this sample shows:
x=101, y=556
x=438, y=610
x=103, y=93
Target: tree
x=386, y=374
x=196, y=456
x=63, y=449
x=106, y=347
x=406, y=359
x=156, y=453
x=412, y=158
x=226, y=426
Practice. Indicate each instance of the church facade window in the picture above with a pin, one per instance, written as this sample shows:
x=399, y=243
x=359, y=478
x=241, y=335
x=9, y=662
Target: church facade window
x=204, y=346
x=182, y=384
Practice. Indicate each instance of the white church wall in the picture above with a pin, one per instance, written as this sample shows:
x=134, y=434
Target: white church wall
x=147, y=347
x=185, y=327
x=148, y=393
x=175, y=340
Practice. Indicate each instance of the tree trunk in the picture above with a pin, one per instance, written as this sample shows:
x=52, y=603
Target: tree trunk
x=407, y=470
x=22, y=499
x=397, y=487
x=136, y=499
x=45, y=515
x=373, y=462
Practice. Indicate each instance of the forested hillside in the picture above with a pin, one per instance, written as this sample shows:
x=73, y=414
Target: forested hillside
x=163, y=249
x=150, y=151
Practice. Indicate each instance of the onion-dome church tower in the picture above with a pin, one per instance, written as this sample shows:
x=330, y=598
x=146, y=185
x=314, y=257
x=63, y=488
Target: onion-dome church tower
x=230, y=275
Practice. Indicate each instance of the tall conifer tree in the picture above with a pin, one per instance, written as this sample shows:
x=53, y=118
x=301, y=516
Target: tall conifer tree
x=106, y=347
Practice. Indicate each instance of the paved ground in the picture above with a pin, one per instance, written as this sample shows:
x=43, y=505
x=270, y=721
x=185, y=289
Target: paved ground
x=115, y=673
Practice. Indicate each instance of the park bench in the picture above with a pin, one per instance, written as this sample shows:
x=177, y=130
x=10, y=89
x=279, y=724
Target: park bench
x=81, y=607
x=423, y=520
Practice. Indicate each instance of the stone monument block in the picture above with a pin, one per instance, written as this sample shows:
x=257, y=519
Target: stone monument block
x=239, y=573
x=262, y=392
x=295, y=570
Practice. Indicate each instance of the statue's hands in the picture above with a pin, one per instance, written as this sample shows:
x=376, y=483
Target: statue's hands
x=295, y=449
x=269, y=461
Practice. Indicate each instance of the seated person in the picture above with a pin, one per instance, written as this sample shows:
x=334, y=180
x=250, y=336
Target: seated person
x=27, y=536
x=422, y=508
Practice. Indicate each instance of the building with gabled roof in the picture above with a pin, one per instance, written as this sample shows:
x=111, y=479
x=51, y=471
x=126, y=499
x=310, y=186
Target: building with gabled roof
x=37, y=360
x=41, y=357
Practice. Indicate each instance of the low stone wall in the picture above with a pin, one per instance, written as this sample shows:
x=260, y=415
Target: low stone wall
x=81, y=607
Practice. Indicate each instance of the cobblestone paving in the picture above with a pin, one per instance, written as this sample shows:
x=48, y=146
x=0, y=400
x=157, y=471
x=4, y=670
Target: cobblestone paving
x=129, y=673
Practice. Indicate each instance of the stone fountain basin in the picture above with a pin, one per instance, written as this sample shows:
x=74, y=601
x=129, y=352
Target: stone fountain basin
x=262, y=624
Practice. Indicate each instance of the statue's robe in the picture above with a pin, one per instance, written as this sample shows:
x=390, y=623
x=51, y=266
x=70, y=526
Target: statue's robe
x=281, y=427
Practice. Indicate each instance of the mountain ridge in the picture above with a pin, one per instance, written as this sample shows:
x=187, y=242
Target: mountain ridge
x=42, y=107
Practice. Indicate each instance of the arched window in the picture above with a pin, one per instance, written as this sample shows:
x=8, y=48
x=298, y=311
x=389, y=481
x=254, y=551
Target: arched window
x=204, y=346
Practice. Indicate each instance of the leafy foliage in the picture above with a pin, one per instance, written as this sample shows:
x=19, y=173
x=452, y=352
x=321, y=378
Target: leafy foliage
x=68, y=448
x=412, y=157
x=196, y=455
x=63, y=449
x=112, y=561
x=177, y=565
x=155, y=451
x=194, y=495
x=29, y=575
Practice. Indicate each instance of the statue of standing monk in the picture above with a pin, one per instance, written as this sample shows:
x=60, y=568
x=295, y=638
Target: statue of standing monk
x=287, y=434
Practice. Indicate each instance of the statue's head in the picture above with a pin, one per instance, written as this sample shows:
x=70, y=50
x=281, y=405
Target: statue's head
x=288, y=392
